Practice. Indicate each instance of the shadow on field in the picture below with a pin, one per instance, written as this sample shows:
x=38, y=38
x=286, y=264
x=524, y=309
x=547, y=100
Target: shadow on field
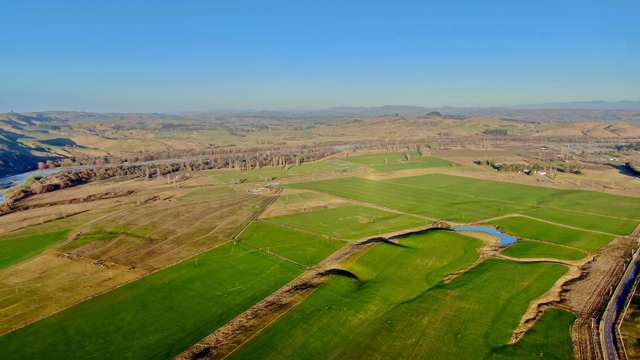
x=382, y=240
x=340, y=272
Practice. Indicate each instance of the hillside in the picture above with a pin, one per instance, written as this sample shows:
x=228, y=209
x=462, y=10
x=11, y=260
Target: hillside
x=26, y=140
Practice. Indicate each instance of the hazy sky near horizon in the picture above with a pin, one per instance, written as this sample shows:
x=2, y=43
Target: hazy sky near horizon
x=239, y=54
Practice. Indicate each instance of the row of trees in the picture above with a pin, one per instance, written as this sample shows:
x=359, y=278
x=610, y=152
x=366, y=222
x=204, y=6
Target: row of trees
x=533, y=168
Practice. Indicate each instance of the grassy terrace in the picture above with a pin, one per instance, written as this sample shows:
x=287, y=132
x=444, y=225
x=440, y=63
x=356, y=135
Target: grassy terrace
x=162, y=314
x=586, y=209
x=549, y=338
x=25, y=244
x=413, y=200
x=401, y=309
x=306, y=250
x=460, y=199
x=538, y=230
x=268, y=173
x=349, y=222
x=397, y=161
x=535, y=249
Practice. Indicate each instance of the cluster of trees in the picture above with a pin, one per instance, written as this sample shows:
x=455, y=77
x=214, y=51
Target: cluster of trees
x=533, y=168
x=263, y=156
x=241, y=158
x=628, y=147
x=496, y=132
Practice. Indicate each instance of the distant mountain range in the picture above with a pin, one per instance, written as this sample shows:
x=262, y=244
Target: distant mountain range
x=587, y=105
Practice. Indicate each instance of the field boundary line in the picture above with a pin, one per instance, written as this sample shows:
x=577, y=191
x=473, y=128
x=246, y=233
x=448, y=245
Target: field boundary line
x=304, y=231
x=546, y=242
x=506, y=216
x=538, y=260
x=275, y=254
x=379, y=207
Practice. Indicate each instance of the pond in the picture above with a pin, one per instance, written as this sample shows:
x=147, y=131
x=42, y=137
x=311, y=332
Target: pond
x=504, y=238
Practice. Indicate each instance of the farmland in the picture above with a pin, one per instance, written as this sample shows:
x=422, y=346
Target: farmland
x=549, y=339
x=461, y=199
x=349, y=222
x=150, y=317
x=537, y=249
x=21, y=246
x=358, y=317
x=271, y=173
x=426, y=202
x=173, y=263
x=398, y=161
x=538, y=230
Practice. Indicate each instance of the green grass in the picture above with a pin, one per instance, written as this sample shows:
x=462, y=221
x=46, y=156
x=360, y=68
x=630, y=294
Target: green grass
x=586, y=221
x=229, y=176
x=538, y=230
x=535, y=249
x=435, y=204
x=550, y=338
x=302, y=248
x=25, y=244
x=397, y=161
x=349, y=222
x=461, y=199
x=330, y=321
x=162, y=314
x=584, y=204
x=402, y=311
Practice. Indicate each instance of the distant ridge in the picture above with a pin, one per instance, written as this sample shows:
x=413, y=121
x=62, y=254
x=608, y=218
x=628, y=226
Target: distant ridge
x=587, y=105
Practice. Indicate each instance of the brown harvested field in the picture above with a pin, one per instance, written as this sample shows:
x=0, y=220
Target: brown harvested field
x=48, y=283
x=116, y=241
x=165, y=231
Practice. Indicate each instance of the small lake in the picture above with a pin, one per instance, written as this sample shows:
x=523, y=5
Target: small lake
x=504, y=238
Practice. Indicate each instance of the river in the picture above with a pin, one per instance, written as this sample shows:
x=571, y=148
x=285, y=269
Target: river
x=17, y=179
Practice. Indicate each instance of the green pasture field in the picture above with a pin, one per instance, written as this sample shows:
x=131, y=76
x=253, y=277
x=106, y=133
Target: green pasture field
x=586, y=221
x=538, y=230
x=414, y=200
x=327, y=323
x=28, y=243
x=301, y=248
x=229, y=176
x=162, y=314
x=461, y=199
x=544, y=340
x=583, y=208
x=350, y=222
x=536, y=249
x=396, y=161
x=400, y=309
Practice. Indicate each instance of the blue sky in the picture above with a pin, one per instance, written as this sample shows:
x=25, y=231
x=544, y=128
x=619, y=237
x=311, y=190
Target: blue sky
x=239, y=54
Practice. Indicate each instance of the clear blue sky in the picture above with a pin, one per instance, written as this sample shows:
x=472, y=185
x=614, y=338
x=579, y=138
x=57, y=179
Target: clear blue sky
x=235, y=54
